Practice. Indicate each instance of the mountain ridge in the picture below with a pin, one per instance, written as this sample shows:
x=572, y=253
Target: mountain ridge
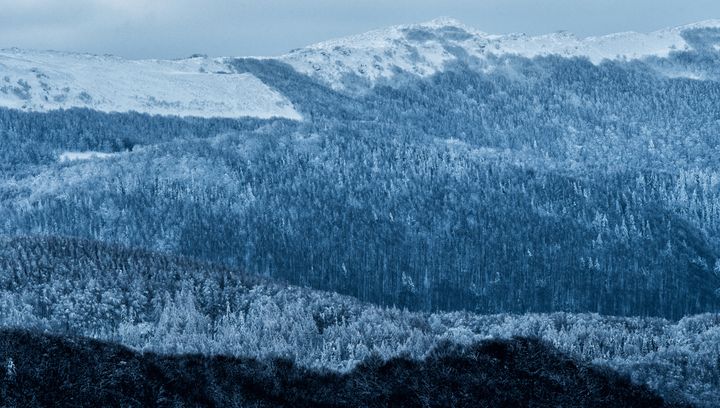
x=424, y=49
x=201, y=86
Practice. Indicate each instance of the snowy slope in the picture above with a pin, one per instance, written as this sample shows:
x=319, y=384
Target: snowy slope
x=42, y=81
x=424, y=49
x=203, y=87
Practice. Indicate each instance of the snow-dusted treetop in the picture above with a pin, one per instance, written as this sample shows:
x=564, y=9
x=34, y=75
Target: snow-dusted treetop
x=202, y=87
x=424, y=49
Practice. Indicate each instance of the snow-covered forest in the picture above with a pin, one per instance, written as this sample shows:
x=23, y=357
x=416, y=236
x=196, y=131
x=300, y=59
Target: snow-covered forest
x=566, y=197
x=172, y=305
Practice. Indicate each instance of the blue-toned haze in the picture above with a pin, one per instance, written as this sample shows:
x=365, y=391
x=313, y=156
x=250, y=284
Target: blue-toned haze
x=178, y=28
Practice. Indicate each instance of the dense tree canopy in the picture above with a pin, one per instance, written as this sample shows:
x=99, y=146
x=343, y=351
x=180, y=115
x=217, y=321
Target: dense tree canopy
x=540, y=185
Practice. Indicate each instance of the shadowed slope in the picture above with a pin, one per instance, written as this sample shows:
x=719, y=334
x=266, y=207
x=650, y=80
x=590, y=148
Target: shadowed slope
x=40, y=370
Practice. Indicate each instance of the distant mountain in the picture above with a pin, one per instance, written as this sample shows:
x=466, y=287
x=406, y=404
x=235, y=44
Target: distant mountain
x=416, y=184
x=202, y=87
x=425, y=49
x=207, y=87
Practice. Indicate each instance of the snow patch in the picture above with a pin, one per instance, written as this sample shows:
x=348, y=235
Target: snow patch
x=74, y=156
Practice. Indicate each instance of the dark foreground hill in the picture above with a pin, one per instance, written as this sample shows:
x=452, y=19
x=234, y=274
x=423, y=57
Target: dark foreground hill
x=41, y=370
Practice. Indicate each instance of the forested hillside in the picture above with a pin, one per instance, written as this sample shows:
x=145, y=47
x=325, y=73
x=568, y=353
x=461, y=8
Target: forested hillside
x=546, y=184
x=169, y=305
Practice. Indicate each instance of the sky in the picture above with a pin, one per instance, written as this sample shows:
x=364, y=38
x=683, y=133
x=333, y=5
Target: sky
x=178, y=28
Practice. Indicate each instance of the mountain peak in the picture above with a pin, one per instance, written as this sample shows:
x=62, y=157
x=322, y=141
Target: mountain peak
x=425, y=48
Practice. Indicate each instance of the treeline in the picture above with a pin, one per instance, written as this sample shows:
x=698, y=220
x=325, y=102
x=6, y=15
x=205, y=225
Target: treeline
x=40, y=370
x=164, y=304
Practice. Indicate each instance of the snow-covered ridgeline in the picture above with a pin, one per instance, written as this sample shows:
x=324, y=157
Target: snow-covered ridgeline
x=207, y=87
x=424, y=49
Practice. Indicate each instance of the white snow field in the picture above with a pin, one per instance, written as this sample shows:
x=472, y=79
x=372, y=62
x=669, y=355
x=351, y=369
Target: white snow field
x=201, y=87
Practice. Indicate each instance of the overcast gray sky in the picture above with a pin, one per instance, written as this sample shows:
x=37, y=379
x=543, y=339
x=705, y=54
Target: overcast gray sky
x=178, y=28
